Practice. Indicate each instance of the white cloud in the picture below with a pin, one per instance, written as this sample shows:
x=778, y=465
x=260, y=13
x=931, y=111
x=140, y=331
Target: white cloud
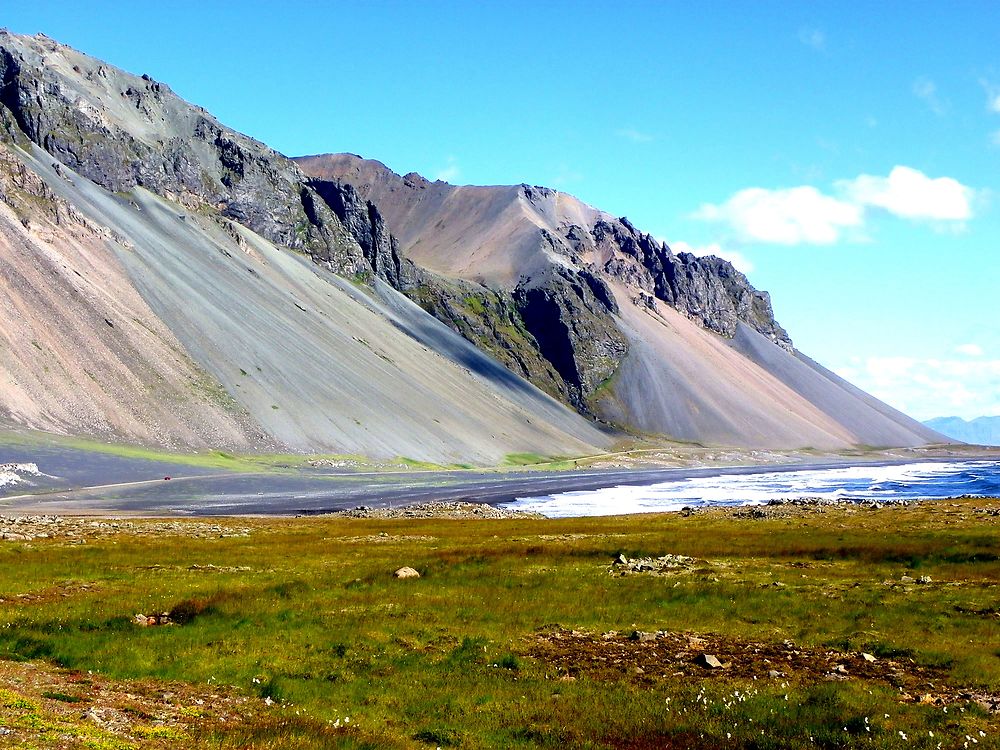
x=910, y=194
x=926, y=388
x=786, y=217
x=806, y=216
x=926, y=90
x=634, y=135
x=450, y=172
x=994, y=103
x=740, y=262
x=972, y=350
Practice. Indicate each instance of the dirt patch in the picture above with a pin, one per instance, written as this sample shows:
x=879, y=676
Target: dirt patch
x=650, y=657
x=42, y=706
x=63, y=590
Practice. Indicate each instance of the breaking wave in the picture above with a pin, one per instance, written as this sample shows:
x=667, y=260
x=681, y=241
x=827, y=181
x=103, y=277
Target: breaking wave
x=11, y=474
x=900, y=482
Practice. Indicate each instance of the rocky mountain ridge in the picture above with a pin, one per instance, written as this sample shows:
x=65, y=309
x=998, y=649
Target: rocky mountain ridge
x=168, y=280
x=123, y=131
x=566, y=306
x=594, y=303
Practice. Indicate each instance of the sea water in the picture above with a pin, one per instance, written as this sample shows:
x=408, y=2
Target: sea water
x=886, y=483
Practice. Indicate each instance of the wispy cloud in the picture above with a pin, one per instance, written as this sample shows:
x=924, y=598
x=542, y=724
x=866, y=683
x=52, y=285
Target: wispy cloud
x=740, y=262
x=634, y=135
x=926, y=90
x=805, y=215
x=926, y=388
x=992, y=94
x=450, y=171
x=813, y=38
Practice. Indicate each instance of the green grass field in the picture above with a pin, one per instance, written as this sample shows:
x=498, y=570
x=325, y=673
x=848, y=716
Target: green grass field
x=481, y=651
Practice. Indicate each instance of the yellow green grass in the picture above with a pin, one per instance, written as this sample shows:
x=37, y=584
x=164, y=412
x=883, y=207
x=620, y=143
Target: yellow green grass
x=306, y=612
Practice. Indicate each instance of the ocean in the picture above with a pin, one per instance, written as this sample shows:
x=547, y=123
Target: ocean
x=886, y=483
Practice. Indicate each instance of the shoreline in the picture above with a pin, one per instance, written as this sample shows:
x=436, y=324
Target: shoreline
x=223, y=496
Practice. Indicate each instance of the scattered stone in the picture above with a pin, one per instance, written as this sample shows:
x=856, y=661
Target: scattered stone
x=642, y=637
x=457, y=509
x=867, y=657
x=924, y=579
x=406, y=572
x=43, y=527
x=708, y=660
x=705, y=656
x=148, y=621
x=655, y=565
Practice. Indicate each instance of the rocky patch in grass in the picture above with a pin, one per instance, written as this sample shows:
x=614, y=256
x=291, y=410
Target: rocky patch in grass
x=459, y=509
x=663, y=565
x=650, y=657
x=79, y=530
x=45, y=707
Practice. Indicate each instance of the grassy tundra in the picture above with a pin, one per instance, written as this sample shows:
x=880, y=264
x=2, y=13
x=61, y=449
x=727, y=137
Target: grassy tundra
x=836, y=627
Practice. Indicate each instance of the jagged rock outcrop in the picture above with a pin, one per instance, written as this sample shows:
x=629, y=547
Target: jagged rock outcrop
x=124, y=131
x=569, y=313
x=362, y=219
x=706, y=289
x=491, y=319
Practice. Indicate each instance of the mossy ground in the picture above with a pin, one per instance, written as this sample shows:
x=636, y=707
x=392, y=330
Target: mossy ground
x=306, y=613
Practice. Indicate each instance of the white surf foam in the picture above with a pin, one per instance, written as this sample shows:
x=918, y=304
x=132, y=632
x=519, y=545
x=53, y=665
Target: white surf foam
x=12, y=474
x=742, y=489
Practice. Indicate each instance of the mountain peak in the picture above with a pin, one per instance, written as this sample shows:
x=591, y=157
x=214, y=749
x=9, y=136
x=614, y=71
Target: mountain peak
x=229, y=295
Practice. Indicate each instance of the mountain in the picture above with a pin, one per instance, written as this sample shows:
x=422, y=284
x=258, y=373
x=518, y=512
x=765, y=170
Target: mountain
x=609, y=319
x=978, y=431
x=168, y=281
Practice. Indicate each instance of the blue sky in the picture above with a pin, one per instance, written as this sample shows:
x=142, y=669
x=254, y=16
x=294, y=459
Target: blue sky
x=845, y=154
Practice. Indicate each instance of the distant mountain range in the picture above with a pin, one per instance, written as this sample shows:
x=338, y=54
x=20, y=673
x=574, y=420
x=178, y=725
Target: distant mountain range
x=979, y=431
x=167, y=281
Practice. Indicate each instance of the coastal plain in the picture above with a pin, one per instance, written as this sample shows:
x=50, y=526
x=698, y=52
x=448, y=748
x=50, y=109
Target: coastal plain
x=831, y=625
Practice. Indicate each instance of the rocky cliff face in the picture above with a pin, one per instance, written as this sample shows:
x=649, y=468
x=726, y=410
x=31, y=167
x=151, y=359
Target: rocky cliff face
x=147, y=291
x=570, y=314
x=549, y=258
x=124, y=131
x=708, y=290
